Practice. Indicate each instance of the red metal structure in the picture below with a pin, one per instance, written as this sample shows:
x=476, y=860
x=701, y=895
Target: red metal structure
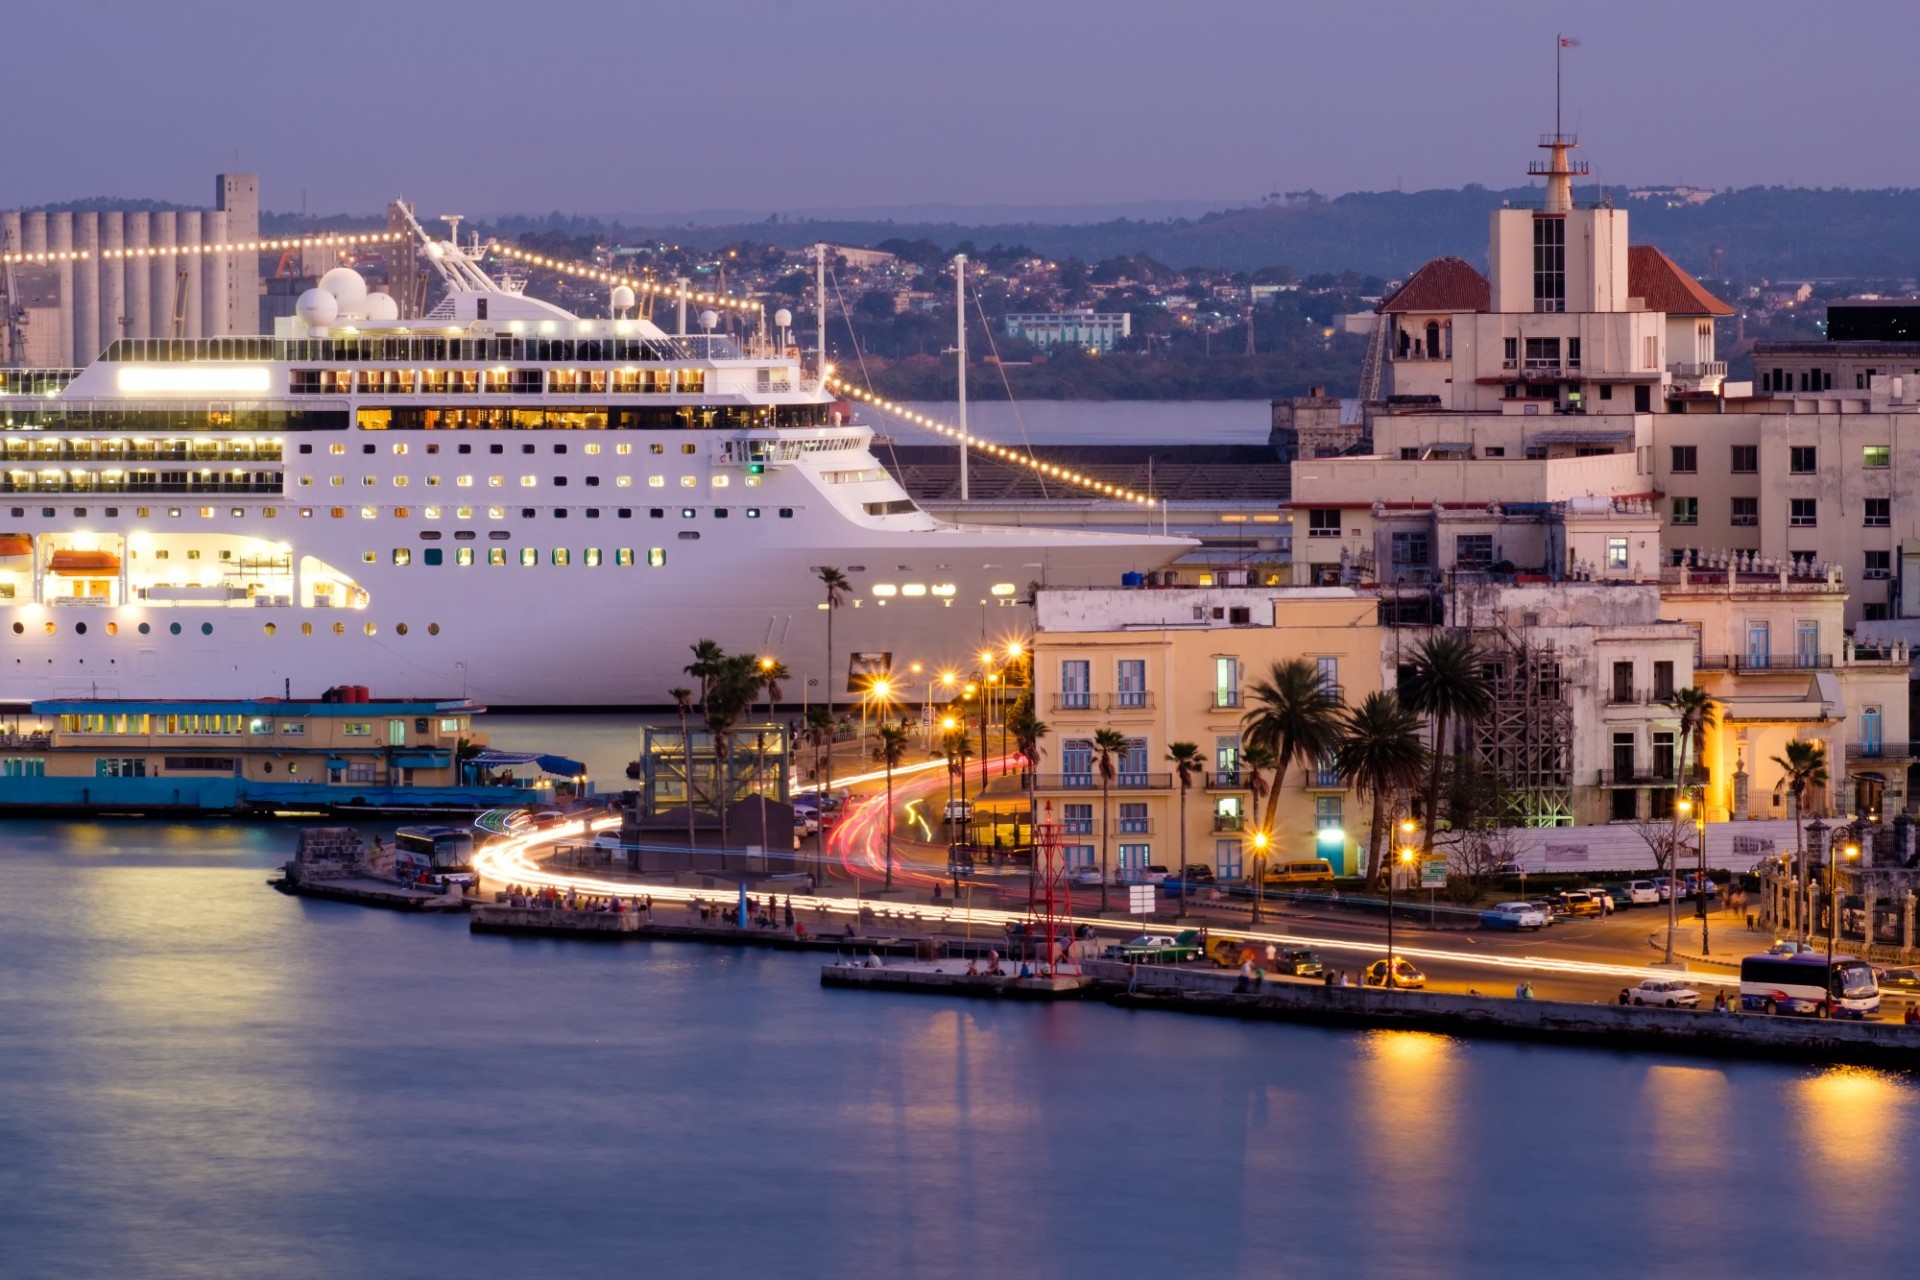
x=1050, y=912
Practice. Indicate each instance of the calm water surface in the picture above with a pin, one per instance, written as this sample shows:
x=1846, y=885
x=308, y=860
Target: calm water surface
x=199, y=1077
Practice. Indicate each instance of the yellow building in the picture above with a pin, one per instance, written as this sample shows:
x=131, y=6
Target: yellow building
x=1176, y=665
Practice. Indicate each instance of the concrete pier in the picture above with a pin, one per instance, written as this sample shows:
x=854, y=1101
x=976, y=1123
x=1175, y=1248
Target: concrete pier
x=949, y=979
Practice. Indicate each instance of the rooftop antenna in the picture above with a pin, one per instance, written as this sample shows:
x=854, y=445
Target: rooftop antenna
x=1558, y=170
x=960, y=354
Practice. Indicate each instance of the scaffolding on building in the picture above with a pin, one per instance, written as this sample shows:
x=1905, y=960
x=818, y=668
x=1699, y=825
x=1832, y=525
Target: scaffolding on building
x=1527, y=740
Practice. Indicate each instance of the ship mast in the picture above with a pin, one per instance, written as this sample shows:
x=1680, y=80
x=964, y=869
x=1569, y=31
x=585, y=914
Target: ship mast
x=960, y=354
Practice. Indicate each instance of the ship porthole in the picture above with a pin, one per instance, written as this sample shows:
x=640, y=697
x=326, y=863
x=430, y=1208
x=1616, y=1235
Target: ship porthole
x=18, y=629
x=399, y=628
x=206, y=628
x=79, y=628
x=113, y=628
x=51, y=628
x=144, y=628
x=306, y=628
x=433, y=628
x=270, y=629
x=173, y=628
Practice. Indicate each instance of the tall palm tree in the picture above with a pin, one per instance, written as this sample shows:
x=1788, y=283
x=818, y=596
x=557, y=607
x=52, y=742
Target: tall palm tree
x=768, y=675
x=818, y=732
x=1296, y=717
x=1804, y=773
x=1379, y=752
x=1256, y=762
x=893, y=749
x=1027, y=730
x=1697, y=719
x=707, y=657
x=731, y=692
x=1187, y=764
x=837, y=587
x=1445, y=681
x=683, y=701
x=1108, y=745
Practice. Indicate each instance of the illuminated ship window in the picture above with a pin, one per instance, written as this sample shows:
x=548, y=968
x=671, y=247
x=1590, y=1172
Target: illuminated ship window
x=884, y=589
x=943, y=588
x=1003, y=588
x=914, y=589
x=399, y=628
x=656, y=556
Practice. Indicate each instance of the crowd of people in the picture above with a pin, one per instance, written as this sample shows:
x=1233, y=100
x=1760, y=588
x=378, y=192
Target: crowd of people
x=553, y=899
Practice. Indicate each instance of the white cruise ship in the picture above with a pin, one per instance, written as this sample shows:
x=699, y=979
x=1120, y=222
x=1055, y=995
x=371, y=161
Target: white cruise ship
x=501, y=500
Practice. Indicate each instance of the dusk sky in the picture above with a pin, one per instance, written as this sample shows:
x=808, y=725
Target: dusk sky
x=600, y=105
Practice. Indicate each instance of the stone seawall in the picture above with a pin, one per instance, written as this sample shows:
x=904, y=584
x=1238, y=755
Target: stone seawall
x=1605, y=1026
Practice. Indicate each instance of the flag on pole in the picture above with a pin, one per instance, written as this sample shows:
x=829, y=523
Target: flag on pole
x=1568, y=42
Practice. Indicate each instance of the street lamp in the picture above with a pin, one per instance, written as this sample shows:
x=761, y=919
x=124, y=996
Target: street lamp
x=1698, y=805
x=1851, y=852
x=1259, y=871
x=1406, y=860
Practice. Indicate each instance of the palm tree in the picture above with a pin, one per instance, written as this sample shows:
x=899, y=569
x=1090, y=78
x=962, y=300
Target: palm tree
x=1296, y=717
x=707, y=657
x=1445, y=680
x=731, y=691
x=1257, y=762
x=683, y=701
x=1107, y=745
x=768, y=675
x=836, y=585
x=1187, y=764
x=1027, y=730
x=893, y=749
x=818, y=732
x=1804, y=770
x=1379, y=752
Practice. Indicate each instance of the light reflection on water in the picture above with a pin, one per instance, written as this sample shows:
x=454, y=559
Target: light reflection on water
x=201, y=1077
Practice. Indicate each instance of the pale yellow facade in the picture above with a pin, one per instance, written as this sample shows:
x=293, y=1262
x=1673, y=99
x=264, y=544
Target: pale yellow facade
x=1175, y=665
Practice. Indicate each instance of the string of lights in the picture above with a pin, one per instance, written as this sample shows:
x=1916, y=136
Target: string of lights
x=341, y=241
x=1050, y=470
x=743, y=305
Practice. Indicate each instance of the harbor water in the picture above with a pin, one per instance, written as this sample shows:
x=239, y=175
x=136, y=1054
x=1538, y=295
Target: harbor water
x=201, y=1077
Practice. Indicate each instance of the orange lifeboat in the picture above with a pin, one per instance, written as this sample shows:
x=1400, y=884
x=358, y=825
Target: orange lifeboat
x=85, y=564
x=15, y=544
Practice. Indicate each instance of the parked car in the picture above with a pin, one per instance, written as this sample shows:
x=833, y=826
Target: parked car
x=1404, y=974
x=958, y=811
x=1158, y=948
x=1548, y=909
x=1668, y=992
x=1154, y=874
x=1642, y=893
x=1197, y=873
x=1085, y=875
x=1514, y=915
x=1622, y=899
x=1192, y=880
x=1662, y=888
x=805, y=823
x=1299, y=962
x=1788, y=947
x=1226, y=952
x=1579, y=902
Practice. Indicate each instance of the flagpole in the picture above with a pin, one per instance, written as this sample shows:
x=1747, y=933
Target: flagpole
x=1559, y=48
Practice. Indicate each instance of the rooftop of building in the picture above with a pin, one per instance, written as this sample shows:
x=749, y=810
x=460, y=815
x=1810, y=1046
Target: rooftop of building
x=1452, y=284
x=1230, y=473
x=1444, y=285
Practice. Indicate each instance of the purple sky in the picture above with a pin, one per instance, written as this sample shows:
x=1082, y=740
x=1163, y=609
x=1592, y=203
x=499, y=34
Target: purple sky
x=609, y=105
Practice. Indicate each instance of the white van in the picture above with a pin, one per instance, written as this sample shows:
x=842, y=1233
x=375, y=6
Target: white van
x=1642, y=893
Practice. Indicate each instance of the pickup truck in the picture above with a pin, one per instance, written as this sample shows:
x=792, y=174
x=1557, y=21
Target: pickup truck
x=1157, y=948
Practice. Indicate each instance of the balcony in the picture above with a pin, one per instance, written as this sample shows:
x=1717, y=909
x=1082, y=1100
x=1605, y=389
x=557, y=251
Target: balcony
x=1072, y=701
x=1124, y=781
x=1698, y=369
x=1229, y=822
x=1224, y=700
x=1712, y=662
x=1879, y=751
x=1130, y=700
x=1619, y=697
x=1647, y=775
x=1782, y=661
x=1227, y=780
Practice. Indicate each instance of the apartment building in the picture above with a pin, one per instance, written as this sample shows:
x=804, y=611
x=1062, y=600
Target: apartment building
x=1174, y=665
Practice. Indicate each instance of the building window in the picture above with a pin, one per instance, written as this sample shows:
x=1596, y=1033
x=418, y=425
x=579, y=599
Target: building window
x=1512, y=360
x=1543, y=353
x=1473, y=551
x=1076, y=819
x=1131, y=683
x=1876, y=457
x=1803, y=459
x=1746, y=511
x=1323, y=522
x=1412, y=549
x=1573, y=353
x=1616, y=553
x=1549, y=268
x=1686, y=511
x=1226, y=859
x=1873, y=612
x=1076, y=763
x=1134, y=856
x=1076, y=691
x=1663, y=681
x=1133, y=819
x=1879, y=565
x=1803, y=513
x=1878, y=513
x=1870, y=731
x=1686, y=459
x=1328, y=813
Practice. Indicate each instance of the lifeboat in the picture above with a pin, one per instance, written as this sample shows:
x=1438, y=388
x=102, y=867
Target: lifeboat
x=16, y=550
x=85, y=564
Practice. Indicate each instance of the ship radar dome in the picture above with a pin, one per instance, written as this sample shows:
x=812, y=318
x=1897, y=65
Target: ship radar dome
x=381, y=306
x=782, y=318
x=317, y=308
x=347, y=287
x=622, y=297
x=708, y=319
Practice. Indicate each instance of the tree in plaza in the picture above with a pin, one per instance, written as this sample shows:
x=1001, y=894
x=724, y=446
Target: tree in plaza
x=1108, y=746
x=1027, y=730
x=836, y=587
x=1379, y=752
x=1445, y=680
x=1803, y=773
x=956, y=748
x=818, y=732
x=1188, y=764
x=707, y=657
x=683, y=702
x=1697, y=719
x=1295, y=716
x=893, y=749
x=732, y=690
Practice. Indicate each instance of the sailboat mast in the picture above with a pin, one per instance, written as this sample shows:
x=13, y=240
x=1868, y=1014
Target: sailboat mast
x=820, y=310
x=960, y=353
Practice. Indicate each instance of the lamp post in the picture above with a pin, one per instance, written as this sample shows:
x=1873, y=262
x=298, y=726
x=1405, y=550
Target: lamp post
x=1700, y=835
x=1851, y=852
x=1259, y=871
x=1814, y=846
x=1014, y=650
x=1406, y=860
x=1682, y=812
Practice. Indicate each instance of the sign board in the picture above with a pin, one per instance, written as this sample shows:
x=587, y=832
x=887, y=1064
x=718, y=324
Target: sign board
x=1566, y=853
x=1433, y=873
x=1140, y=899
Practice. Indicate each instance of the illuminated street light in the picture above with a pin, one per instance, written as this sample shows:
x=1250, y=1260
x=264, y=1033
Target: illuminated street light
x=1259, y=871
x=1406, y=860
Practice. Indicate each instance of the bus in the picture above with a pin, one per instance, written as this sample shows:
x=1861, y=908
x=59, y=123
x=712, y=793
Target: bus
x=444, y=855
x=1809, y=983
x=1306, y=871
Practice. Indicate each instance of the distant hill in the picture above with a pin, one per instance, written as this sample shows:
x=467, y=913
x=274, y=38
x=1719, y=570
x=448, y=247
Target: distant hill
x=1761, y=233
